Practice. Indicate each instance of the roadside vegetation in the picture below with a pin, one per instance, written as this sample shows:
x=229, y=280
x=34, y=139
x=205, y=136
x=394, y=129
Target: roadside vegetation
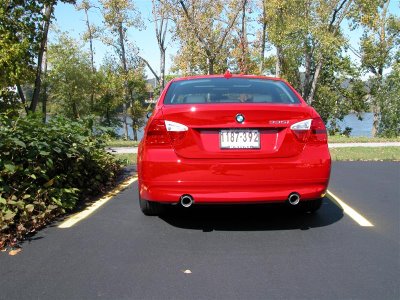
x=122, y=143
x=361, y=139
x=366, y=154
x=127, y=159
x=45, y=170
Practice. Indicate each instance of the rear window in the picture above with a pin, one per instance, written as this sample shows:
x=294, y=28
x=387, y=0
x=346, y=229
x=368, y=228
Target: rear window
x=233, y=90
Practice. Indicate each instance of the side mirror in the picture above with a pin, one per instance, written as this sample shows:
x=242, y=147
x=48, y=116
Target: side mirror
x=148, y=115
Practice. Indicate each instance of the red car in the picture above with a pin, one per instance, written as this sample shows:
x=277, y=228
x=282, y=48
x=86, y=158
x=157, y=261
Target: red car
x=232, y=139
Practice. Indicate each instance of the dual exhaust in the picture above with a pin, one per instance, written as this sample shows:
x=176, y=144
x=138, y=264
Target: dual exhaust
x=187, y=200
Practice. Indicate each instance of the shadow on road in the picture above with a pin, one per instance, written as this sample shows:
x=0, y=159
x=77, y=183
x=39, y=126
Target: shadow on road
x=251, y=217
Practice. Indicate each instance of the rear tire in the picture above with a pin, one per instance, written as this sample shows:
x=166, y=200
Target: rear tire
x=150, y=208
x=310, y=206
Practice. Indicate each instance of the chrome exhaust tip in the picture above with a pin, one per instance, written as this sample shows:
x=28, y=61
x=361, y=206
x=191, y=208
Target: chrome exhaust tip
x=294, y=198
x=186, y=200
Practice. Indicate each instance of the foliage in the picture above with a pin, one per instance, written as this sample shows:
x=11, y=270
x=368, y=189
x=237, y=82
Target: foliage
x=17, y=51
x=45, y=169
x=110, y=94
x=388, y=100
x=127, y=159
x=19, y=27
x=379, y=47
x=339, y=92
x=203, y=29
x=70, y=79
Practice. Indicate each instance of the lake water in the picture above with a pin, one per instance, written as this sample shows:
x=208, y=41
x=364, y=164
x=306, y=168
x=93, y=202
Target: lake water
x=360, y=128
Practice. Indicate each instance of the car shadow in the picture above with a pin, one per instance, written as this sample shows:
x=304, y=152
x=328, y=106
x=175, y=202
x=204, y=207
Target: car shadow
x=251, y=217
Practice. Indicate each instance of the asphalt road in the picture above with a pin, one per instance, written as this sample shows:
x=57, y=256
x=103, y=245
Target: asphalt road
x=239, y=252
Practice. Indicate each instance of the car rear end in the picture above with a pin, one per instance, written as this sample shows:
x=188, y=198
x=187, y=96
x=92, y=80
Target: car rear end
x=240, y=139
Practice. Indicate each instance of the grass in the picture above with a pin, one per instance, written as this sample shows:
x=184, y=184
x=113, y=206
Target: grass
x=366, y=154
x=127, y=158
x=122, y=143
x=360, y=139
x=338, y=154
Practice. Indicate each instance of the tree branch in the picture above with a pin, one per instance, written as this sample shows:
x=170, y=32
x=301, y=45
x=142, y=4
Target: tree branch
x=196, y=32
x=22, y=96
x=150, y=68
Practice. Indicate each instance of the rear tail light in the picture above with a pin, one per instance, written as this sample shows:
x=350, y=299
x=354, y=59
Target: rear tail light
x=157, y=133
x=176, y=131
x=310, y=130
x=162, y=132
x=318, y=131
x=302, y=130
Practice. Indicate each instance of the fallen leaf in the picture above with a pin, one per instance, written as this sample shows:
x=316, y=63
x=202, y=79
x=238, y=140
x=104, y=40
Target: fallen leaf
x=14, y=252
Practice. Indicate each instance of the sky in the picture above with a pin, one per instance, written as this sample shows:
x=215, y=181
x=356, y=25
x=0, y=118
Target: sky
x=70, y=20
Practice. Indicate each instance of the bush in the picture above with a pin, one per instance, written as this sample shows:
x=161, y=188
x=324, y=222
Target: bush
x=45, y=169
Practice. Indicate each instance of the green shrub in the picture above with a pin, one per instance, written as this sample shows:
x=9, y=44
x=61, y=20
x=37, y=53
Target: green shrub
x=45, y=169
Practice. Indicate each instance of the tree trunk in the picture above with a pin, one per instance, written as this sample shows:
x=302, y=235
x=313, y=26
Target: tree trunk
x=375, y=122
x=243, y=41
x=162, y=69
x=278, y=66
x=262, y=51
x=126, y=93
x=305, y=84
x=75, y=110
x=22, y=96
x=108, y=120
x=210, y=62
x=135, y=134
x=44, y=94
x=310, y=96
x=46, y=24
x=91, y=56
x=263, y=37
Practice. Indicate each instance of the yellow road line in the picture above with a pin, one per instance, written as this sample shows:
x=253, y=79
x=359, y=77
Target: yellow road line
x=72, y=220
x=352, y=213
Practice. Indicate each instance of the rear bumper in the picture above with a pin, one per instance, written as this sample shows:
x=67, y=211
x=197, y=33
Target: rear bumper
x=165, y=177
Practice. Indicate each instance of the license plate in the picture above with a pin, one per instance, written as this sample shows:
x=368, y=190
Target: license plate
x=239, y=139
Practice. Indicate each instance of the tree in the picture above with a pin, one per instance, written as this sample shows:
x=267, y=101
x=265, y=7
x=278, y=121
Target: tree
x=242, y=59
x=44, y=30
x=306, y=35
x=18, y=46
x=379, y=46
x=119, y=15
x=23, y=39
x=210, y=24
x=69, y=77
x=161, y=15
x=340, y=91
x=89, y=35
x=263, y=35
x=111, y=91
x=388, y=100
x=138, y=90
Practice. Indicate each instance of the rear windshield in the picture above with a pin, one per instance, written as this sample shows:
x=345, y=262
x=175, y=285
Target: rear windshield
x=233, y=90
